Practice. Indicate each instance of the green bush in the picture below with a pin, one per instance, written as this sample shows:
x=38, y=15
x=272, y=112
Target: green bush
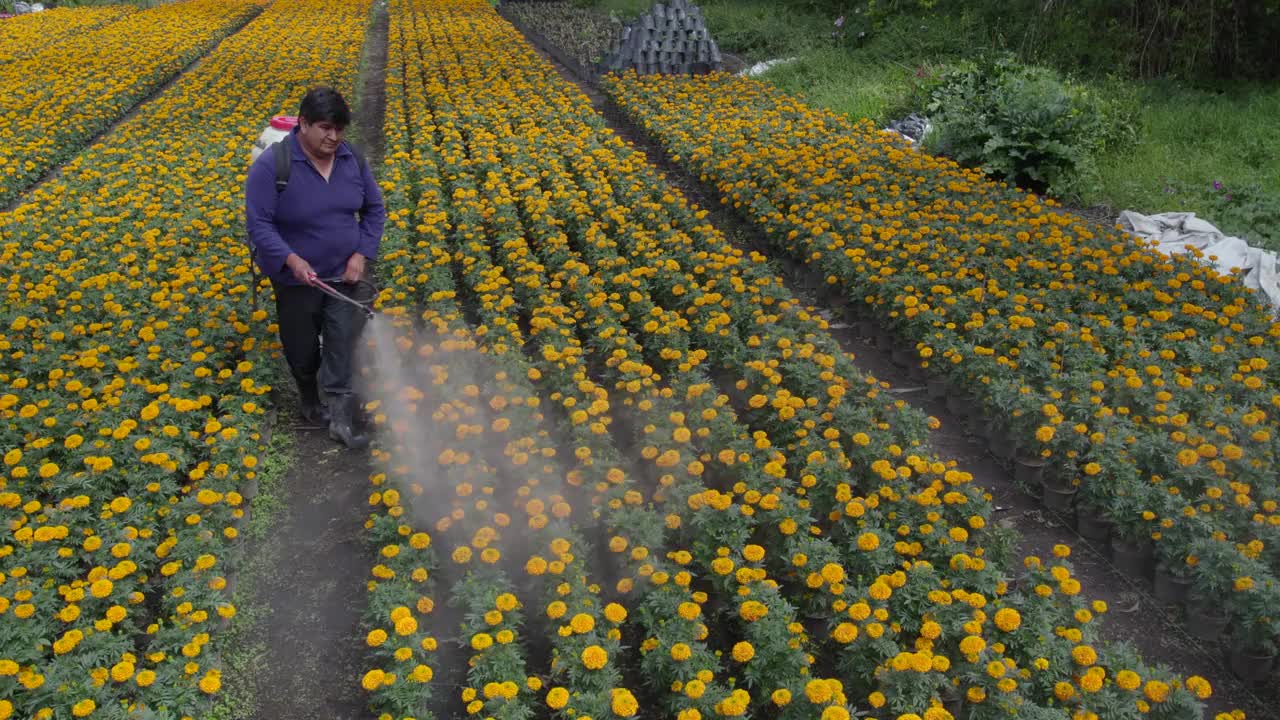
x=1023, y=123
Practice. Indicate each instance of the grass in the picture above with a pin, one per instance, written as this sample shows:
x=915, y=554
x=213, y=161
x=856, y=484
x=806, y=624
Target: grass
x=835, y=79
x=1188, y=138
x=243, y=648
x=1192, y=138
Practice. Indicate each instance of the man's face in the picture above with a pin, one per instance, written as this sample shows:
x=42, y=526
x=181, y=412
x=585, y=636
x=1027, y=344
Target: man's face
x=321, y=138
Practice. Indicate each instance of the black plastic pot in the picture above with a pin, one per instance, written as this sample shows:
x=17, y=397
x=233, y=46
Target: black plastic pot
x=958, y=405
x=1030, y=472
x=1057, y=500
x=1206, y=621
x=1170, y=588
x=1252, y=666
x=1132, y=558
x=1093, y=526
x=902, y=357
x=1002, y=445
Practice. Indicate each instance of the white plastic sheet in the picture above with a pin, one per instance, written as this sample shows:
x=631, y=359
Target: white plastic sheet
x=765, y=66
x=1178, y=231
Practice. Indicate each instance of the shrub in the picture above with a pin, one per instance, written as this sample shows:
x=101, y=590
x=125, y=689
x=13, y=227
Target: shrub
x=1023, y=123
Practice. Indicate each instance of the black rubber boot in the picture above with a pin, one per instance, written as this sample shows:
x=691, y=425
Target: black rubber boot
x=312, y=410
x=341, y=425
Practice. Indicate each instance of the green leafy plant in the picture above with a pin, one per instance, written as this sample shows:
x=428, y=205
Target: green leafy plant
x=1020, y=122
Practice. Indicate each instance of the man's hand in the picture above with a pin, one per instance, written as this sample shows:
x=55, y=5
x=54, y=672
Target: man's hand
x=301, y=269
x=355, y=269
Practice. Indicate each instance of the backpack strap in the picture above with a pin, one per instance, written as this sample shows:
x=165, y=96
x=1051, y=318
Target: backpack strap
x=284, y=164
x=361, y=162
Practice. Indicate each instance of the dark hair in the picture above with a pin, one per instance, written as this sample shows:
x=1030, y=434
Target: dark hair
x=324, y=104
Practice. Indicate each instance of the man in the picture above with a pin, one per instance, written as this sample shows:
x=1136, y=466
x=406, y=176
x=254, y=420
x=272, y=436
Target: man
x=307, y=234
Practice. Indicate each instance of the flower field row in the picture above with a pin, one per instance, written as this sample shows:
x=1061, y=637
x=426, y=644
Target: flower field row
x=638, y=473
x=1148, y=384
x=59, y=97
x=29, y=34
x=133, y=389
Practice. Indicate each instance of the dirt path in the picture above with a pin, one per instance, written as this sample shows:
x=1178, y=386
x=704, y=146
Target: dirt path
x=1134, y=616
x=372, y=107
x=311, y=589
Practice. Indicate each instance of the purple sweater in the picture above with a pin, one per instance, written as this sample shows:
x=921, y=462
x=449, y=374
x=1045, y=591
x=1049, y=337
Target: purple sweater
x=313, y=218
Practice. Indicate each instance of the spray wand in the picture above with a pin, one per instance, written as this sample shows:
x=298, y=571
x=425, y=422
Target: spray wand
x=323, y=286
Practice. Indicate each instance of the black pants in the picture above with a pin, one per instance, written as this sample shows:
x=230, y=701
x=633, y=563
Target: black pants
x=307, y=316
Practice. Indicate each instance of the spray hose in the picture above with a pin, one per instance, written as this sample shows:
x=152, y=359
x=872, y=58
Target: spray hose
x=323, y=285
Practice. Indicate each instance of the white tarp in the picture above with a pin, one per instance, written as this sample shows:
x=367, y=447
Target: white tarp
x=1179, y=230
x=761, y=68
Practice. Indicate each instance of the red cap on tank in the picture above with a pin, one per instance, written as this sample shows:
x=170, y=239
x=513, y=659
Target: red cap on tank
x=284, y=122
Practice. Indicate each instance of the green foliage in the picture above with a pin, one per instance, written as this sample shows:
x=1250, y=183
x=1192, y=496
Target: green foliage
x=1154, y=38
x=1020, y=122
x=763, y=30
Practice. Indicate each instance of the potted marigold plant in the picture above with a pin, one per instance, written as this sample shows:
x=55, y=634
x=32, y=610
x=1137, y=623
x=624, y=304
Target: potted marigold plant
x=1256, y=628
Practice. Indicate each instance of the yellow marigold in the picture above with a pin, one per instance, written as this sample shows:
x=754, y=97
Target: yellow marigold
x=1008, y=619
x=972, y=645
x=557, y=698
x=211, y=682
x=1084, y=655
x=880, y=590
x=752, y=610
x=845, y=633
x=582, y=623
x=406, y=626
x=818, y=692
x=689, y=611
x=1200, y=687
x=623, y=703
x=372, y=680
x=1128, y=680
x=680, y=652
x=833, y=573
x=615, y=613
x=594, y=657
x=1092, y=680
x=1156, y=691
x=781, y=697
x=743, y=651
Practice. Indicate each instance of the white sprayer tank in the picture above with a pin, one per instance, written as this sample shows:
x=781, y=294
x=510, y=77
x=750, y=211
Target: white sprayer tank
x=275, y=131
